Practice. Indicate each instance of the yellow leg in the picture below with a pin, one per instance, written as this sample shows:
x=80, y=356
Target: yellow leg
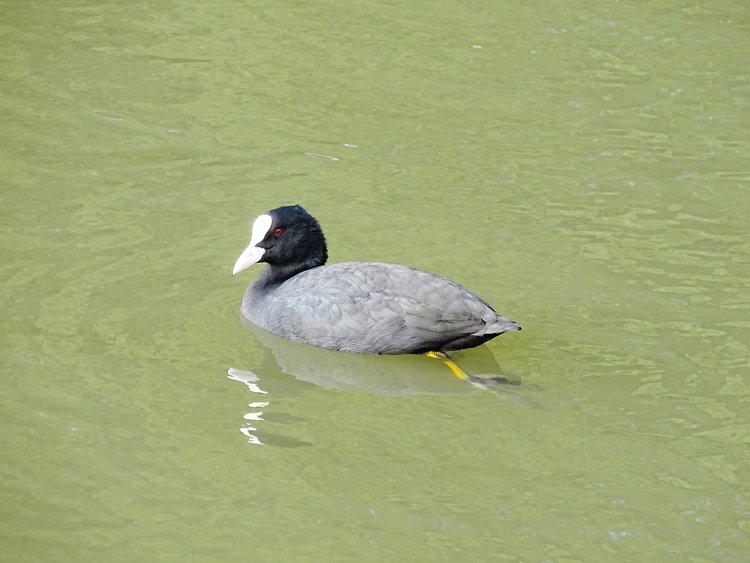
x=454, y=367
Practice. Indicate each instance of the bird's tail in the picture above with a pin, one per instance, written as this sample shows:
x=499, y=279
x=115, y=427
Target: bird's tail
x=501, y=325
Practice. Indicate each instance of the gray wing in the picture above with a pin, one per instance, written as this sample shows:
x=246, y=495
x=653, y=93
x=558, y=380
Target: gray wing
x=380, y=308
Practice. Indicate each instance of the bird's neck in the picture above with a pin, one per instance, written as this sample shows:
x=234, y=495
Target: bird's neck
x=274, y=274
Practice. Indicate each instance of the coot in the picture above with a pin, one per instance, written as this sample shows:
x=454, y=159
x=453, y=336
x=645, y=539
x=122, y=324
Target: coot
x=363, y=307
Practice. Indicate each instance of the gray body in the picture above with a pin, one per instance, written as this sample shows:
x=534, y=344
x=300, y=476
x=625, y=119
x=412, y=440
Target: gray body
x=372, y=308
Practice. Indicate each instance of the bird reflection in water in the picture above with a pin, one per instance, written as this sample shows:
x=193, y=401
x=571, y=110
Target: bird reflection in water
x=290, y=368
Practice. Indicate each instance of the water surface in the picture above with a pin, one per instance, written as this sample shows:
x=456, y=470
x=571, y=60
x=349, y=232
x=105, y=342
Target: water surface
x=582, y=167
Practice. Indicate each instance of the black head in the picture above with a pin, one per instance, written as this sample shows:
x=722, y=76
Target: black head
x=294, y=237
x=287, y=238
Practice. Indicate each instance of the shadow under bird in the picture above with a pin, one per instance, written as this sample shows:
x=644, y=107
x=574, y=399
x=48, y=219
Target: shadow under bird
x=360, y=307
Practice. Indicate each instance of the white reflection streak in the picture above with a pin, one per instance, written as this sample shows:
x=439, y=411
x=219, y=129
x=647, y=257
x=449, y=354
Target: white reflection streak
x=250, y=380
x=252, y=438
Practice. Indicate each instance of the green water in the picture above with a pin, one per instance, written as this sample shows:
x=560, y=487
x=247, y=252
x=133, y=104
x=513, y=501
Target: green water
x=584, y=167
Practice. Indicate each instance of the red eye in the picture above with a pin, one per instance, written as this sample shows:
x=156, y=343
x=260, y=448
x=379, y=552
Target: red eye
x=278, y=232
